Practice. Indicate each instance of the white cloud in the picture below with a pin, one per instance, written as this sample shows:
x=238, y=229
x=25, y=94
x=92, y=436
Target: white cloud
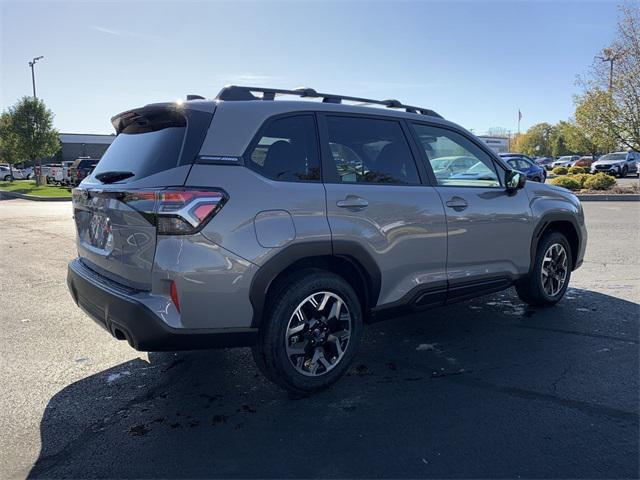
x=121, y=33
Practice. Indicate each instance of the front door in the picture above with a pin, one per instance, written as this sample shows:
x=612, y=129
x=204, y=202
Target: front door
x=489, y=229
x=376, y=202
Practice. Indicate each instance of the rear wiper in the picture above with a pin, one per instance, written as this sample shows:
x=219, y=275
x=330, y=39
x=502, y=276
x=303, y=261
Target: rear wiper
x=115, y=176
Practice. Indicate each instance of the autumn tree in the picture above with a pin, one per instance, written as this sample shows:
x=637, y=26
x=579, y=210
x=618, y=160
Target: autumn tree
x=608, y=110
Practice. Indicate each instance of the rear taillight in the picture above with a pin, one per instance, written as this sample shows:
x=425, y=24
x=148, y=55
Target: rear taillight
x=177, y=211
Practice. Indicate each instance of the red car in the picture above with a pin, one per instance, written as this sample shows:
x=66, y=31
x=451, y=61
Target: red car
x=585, y=161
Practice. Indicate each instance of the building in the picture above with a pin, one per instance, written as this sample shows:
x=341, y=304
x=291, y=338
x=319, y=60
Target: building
x=497, y=144
x=76, y=145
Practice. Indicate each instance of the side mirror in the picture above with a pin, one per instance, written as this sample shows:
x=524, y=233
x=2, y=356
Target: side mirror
x=514, y=180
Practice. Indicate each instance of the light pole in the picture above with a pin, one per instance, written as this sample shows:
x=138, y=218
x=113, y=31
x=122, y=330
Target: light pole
x=33, y=75
x=36, y=168
x=610, y=57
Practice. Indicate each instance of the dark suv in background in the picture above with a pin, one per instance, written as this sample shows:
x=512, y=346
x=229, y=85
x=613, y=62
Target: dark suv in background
x=287, y=225
x=81, y=168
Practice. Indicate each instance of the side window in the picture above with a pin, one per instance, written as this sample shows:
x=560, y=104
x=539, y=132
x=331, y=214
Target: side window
x=287, y=150
x=368, y=150
x=455, y=160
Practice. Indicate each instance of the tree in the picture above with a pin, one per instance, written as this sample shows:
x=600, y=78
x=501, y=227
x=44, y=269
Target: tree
x=537, y=140
x=579, y=141
x=498, y=132
x=33, y=127
x=609, y=107
x=9, y=151
x=559, y=145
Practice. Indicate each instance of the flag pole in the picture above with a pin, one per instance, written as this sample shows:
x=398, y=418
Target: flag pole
x=519, y=118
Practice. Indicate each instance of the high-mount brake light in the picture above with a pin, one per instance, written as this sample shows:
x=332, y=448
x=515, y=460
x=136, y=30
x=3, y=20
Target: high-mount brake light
x=177, y=211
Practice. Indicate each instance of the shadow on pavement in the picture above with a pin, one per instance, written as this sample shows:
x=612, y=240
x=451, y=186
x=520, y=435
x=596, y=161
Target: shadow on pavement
x=480, y=389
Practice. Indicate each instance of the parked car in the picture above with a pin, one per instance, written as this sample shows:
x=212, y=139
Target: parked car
x=565, y=161
x=516, y=155
x=81, y=168
x=618, y=163
x=54, y=173
x=287, y=225
x=545, y=162
x=28, y=172
x=66, y=172
x=452, y=165
x=533, y=172
x=585, y=161
x=5, y=173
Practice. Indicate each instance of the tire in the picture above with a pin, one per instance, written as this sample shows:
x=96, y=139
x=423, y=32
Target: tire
x=273, y=351
x=7, y=178
x=532, y=289
x=623, y=172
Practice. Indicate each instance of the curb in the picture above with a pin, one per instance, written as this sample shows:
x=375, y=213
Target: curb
x=610, y=198
x=33, y=197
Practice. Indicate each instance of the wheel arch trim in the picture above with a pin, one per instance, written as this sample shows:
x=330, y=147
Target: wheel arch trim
x=347, y=250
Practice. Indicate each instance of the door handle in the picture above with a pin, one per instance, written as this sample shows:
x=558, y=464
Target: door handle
x=352, y=201
x=457, y=203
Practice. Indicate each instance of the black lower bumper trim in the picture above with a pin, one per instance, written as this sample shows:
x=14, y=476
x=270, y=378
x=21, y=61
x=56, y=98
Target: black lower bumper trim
x=126, y=318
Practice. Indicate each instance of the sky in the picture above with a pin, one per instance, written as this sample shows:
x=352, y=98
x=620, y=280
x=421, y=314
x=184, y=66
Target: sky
x=476, y=63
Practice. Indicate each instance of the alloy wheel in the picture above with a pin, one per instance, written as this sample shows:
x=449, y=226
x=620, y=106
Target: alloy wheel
x=554, y=269
x=318, y=332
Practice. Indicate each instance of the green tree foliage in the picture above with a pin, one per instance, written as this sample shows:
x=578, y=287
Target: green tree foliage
x=9, y=151
x=33, y=126
x=537, y=140
x=559, y=146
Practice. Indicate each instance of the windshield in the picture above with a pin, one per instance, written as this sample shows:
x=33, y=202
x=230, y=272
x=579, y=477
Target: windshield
x=565, y=159
x=143, y=154
x=614, y=156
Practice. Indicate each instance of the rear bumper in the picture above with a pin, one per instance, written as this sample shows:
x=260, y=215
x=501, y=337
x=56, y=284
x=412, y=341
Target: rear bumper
x=116, y=310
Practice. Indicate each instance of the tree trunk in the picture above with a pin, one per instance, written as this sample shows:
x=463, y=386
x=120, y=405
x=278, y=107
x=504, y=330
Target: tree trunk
x=37, y=169
x=11, y=172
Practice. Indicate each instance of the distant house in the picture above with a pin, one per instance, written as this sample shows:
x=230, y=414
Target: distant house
x=76, y=145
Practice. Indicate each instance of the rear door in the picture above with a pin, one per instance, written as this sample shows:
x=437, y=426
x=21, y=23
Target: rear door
x=377, y=202
x=489, y=229
x=154, y=149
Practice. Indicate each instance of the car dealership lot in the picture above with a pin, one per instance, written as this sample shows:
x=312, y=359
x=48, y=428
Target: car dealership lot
x=484, y=388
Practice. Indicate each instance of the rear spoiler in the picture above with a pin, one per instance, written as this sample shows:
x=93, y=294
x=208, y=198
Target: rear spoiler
x=149, y=118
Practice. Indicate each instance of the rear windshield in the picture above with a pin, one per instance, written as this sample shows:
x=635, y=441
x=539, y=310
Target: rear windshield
x=143, y=154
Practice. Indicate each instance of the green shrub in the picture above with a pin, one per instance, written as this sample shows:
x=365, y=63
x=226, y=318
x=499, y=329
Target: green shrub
x=560, y=171
x=581, y=178
x=566, y=182
x=577, y=170
x=600, y=181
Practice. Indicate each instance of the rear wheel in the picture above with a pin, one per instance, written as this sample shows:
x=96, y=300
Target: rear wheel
x=549, y=278
x=7, y=178
x=310, y=334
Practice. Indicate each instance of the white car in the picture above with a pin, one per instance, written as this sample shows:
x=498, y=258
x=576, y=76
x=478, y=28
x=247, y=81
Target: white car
x=617, y=163
x=566, y=161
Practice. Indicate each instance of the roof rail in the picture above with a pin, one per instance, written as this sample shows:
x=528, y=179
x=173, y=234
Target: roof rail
x=240, y=93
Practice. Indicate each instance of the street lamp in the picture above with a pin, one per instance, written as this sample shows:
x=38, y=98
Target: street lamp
x=609, y=57
x=33, y=75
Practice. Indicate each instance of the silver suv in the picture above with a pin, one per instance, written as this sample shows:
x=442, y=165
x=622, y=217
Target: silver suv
x=287, y=225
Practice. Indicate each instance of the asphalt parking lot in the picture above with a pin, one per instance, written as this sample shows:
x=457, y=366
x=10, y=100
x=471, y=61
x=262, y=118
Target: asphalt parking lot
x=486, y=388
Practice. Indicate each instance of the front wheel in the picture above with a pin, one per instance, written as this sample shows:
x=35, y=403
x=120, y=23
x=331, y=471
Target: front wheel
x=551, y=272
x=310, y=335
x=623, y=172
x=7, y=178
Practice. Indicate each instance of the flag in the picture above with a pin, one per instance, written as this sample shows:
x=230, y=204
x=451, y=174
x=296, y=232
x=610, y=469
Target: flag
x=519, y=115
